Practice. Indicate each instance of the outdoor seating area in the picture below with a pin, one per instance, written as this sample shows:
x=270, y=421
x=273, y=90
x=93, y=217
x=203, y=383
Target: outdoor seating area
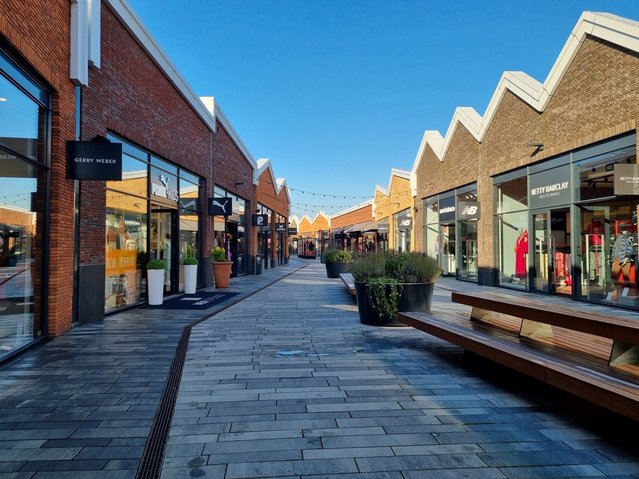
x=349, y=282
x=589, y=355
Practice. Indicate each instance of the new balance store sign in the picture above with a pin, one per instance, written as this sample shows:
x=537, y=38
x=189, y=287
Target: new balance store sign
x=94, y=160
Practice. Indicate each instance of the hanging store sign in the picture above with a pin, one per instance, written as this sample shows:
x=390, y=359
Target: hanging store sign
x=220, y=206
x=468, y=210
x=280, y=227
x=94, y=160
x=626, y=179
x=447, y=209
x=549, y=188
x=260, y=220
x=292, y=231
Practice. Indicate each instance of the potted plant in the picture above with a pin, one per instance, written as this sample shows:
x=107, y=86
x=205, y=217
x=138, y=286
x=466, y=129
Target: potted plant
x=190, y=274
x=337, y=261
x=155, y=281
x=221, y=267
x=386, y=283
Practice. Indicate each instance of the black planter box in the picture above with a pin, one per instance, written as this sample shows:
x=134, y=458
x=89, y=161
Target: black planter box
x=334, y=269
x=415, y=297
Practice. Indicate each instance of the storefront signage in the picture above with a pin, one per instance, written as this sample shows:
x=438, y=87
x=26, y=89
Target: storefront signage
x=447, y=209
x=220, y=206
x=550, y=188
x=280, y=227
x=94, y=160
x=260, y=220
x=164, y=185
x=120, y=261
x=626, y=179
x=382, y=228
x=292, y=231
x=405, y=223
x=468, y=210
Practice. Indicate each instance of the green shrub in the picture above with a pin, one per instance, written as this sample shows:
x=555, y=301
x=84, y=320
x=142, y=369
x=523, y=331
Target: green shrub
x=402, y=267
x=368, y=267
x=218, y=254
x=337, y=256
x=190, y=260
x=156, y=264
x=419, y=268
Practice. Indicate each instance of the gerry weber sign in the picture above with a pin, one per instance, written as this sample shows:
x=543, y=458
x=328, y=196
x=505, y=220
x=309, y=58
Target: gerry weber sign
x=94, y=160
x=550, y=188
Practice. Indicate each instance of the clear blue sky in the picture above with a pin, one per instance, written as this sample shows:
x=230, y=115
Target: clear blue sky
x=338, y=92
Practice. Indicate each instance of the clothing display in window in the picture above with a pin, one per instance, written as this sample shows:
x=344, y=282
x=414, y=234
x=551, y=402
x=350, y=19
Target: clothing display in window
x=521, y=252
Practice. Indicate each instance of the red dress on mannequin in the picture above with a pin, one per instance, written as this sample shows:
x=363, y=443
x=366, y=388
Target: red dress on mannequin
x=521, y=250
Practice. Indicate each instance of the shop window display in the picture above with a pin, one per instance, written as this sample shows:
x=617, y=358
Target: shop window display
x=511, y=223
x=126, y=238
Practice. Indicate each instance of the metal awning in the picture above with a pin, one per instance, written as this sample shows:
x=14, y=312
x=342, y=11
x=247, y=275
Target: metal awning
x=338, y=231
x=362, y=227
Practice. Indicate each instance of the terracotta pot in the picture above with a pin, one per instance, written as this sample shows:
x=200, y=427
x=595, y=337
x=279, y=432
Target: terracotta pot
x=222, y=273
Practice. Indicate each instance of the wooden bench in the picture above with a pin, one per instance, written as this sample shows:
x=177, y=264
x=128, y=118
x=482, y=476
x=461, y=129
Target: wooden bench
x=593, y=356
x=349, y=282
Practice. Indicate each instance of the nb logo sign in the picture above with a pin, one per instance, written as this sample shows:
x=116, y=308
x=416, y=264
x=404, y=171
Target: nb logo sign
x=469, y=210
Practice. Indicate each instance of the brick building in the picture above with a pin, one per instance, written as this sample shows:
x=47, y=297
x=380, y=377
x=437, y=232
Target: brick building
x=273, y=201
x=74, y=248
x=354, y=229
x=540, y=193
x=393, y=210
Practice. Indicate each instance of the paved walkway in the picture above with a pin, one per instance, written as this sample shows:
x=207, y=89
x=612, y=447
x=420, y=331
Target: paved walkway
x=286, y=383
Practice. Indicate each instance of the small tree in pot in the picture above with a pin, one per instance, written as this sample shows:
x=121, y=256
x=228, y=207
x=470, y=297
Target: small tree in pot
x=221, y=267
x=337, y=261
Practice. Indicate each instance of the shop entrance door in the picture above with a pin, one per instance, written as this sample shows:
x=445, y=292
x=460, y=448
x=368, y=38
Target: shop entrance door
x=551, y=252
x=164, y=244
x=447, y=249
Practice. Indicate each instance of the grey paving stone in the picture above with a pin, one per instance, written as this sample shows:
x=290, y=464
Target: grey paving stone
x=78, y=465
x=351, y=452
x=408, y=463
x=253, y=456
x=260, y=445
x=551, y=471
x=208, y=472
x=474, y=473
x=289, y=468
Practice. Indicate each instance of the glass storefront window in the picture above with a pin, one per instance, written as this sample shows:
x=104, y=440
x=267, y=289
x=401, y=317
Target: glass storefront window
x=24, y=129
x=134, y=177
x=512, y=195
x=512, y=248
x=126, y=240
x=596, y=175
x=403, y=228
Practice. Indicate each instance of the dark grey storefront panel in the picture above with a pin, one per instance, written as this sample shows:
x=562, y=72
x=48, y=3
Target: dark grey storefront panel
x=549, y=188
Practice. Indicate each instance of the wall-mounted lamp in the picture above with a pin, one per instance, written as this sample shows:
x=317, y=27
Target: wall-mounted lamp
x=239, y=183
x=538, y=145
x=416, y=209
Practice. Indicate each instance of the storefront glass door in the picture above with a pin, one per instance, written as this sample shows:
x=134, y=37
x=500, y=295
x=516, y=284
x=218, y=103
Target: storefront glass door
x=164, y=246
x=542, y=254
x=551, y=252
x=447, y=249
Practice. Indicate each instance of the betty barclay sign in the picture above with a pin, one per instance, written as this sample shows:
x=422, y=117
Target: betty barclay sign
x=94, y=160
x=550, y=188
x=626, y=179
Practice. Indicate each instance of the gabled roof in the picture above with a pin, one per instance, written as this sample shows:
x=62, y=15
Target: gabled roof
x=612, y=28
x=352, y=208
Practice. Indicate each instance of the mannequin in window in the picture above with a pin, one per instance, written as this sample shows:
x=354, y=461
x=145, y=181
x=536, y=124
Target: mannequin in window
x=623, y=255
x=521, y=252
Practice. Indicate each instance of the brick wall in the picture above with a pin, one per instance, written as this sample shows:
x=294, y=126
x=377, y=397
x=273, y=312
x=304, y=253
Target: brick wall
x=266, y=194
x=595, y=100
x=398, y=199
x=229, y=167
x=359, y=215
x=43, y=47
x=130, y=96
